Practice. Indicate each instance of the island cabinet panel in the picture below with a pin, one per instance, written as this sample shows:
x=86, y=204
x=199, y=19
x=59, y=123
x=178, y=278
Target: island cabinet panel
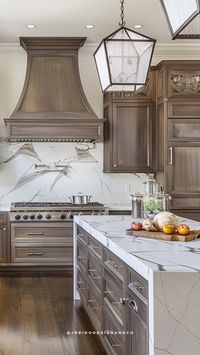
x=128, y=136
x=114, y=296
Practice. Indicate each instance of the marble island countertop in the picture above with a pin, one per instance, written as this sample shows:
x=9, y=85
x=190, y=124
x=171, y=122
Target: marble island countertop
x=146, y=255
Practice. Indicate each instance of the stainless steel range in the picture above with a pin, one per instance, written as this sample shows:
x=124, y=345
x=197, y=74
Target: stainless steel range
x=52, y=211
x=42, y=232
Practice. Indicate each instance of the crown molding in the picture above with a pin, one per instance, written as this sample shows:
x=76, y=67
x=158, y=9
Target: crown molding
x=162, y=50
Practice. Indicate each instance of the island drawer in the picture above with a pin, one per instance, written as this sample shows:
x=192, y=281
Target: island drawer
x=113, y=333
x=95, y=247
x=113, y=264
x=81, y=285
x=94, y=271
x=81, y=257
x=82, y=235
x=94, y=305
x=113, y=294
x=137, y=284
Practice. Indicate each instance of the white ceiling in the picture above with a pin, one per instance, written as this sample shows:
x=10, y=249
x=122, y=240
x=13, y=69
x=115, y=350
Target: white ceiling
x=68, y=18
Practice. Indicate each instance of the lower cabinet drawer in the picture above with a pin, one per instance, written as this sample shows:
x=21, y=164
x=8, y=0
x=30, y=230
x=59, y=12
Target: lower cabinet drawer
x=137, y=284
x=42, y=254
x=94, y=271
x=113, y=264
x=82, y=286
x=113, y=334
x=113, y=295
x=94, y=304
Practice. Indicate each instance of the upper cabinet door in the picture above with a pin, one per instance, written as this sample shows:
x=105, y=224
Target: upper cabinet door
x=131, y=137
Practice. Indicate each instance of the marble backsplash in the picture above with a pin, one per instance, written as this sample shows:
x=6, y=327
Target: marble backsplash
x=54, y=171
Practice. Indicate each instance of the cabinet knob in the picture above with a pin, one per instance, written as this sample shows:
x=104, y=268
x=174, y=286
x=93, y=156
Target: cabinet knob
x=115, y=165
x=5, y=229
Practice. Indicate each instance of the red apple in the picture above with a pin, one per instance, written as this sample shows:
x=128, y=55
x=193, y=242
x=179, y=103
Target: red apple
x=136, y=226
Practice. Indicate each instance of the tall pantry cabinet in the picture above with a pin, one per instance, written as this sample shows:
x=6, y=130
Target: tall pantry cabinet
x=178, y=134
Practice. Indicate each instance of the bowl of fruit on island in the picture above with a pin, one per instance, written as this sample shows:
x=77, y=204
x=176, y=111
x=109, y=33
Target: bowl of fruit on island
x=163, y=224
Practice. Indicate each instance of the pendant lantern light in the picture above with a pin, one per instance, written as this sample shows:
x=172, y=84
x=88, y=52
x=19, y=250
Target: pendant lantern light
x=123, y=58
x=183, y=17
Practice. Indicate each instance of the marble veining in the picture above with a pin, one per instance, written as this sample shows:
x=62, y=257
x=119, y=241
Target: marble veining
x=156, y=255
x=173, y=273
x=36, y=171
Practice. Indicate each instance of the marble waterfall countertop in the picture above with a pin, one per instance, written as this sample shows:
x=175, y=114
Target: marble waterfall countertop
x=145, y=255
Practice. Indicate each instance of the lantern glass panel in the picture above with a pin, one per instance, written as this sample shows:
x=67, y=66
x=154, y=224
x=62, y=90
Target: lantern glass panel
x=101, y=61
x=179, y=11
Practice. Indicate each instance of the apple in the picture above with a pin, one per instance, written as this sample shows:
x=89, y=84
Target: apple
x=136, y=226
x=183, y=229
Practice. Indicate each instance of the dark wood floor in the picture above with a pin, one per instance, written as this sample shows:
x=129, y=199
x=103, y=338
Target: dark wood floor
x=36, y=314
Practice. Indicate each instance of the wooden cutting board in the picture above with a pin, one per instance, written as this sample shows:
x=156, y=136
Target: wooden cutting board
x=162, y=236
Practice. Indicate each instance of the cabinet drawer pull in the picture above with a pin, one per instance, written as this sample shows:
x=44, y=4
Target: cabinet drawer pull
x=92, y=270
x=134, y=306
x=108, y=295
x=35, y=233
x=35, y=254
x=79, y=285
x=115, y=266
x=111, y=342
x=138, y=286
x=94, y=247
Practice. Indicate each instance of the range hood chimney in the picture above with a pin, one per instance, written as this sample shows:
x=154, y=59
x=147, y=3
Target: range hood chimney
x=53, y=106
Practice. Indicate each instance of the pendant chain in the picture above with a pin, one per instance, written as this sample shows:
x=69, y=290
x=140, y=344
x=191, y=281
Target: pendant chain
x=122, y=22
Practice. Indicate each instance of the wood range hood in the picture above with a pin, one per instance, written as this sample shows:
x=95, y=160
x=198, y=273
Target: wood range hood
x=53, y=106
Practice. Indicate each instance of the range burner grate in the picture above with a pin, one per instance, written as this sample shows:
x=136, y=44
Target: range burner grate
x=53, y=204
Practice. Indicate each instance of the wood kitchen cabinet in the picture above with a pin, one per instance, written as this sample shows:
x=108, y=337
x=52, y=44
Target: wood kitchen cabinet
x=178, y=134
x=114, y=296
x=3, y=237
x=37, y=244
x=128, y=133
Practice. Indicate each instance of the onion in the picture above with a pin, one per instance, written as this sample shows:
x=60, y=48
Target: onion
x=148, y=225
x=163, y=218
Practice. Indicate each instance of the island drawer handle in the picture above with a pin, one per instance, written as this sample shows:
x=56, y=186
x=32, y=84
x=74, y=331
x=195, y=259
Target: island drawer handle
x=108, y=295
x=134, y=306
x=81, y=259
x=111, y=342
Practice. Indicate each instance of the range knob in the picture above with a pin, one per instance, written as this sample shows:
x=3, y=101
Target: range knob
x=63, y=216
x=39, y=216
x=25, y=216
x=17, y=216
x=48, y=216
x=32, y=216
x=70, y=215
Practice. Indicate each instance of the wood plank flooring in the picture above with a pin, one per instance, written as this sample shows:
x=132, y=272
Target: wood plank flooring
x=36, y=314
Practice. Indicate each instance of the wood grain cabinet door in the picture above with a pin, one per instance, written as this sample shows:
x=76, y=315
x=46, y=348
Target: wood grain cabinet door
x=137, y=327
x=132, y=137
x=3, y=241
x=184, y=175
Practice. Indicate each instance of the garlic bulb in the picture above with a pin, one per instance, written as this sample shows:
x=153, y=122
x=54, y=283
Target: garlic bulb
x=166, y=217
x=148, y=225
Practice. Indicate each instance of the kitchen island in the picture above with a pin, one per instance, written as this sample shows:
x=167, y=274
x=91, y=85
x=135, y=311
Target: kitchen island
x=159, y=281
